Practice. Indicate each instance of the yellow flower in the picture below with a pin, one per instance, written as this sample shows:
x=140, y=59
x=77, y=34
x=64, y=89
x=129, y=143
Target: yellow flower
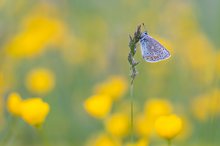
x=203, y=65
x=142, y=142
x=144, y=126
x=38, y=32
x=206, y=105
x=34, y=111
x=168, y=126
x=117, y=124
x=157, y=107
x=217, y=63
x=14, y=104
x=115, y=86
x=2, y=3
x=98, y=106
x=214, y=100
x=203, y=48
x=40, y=81
x=200, y=107
x=104, y=140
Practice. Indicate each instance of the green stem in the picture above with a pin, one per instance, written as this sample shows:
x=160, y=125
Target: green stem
x=42, y=137
x=169, y=143
x=132, y=45
x=132, y=113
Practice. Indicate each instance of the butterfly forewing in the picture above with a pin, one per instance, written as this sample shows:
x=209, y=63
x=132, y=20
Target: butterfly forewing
x=152, y=50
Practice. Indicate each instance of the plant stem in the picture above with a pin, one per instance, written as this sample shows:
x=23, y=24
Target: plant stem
x=132, y=45
x=42, y=137
x=169, y=143
x=132, y=113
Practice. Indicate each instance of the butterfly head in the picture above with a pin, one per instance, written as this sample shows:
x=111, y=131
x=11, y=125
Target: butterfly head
x=143, y=34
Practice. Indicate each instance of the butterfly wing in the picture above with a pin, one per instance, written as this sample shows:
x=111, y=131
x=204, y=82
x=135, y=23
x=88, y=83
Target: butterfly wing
x=152, y=50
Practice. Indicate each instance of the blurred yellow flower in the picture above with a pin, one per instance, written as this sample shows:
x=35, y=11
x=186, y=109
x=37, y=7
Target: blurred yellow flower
x=206, y=105
x=203, y=65
x=14, y=104
x=217, y=63
x=143, y=125
x=115, y=87
x=104, y=140
x=98, y=106
x=34, y=111
x=202, y=47
x=200, y=107
x=40, y=81
x=2, y=3
x=157, y=107
x=168, y=126
x=214, y=101
x=37, y=33
x=140, y=142
x=117, y=124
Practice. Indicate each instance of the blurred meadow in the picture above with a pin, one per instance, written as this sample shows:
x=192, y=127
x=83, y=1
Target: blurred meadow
x=65, y=77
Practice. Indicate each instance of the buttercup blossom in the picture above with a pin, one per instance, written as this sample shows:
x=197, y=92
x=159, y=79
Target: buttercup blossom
x=115, y=87
x=157, y=107
x=217, y=63
x=38, y=32
x=214, y=107
x=104, y=140
x=14, y=104
x=34, y=111
x=98, y=106
x=168, y=126
x=206, y=105
x=200, y=107
x=117, y=124
x=40, y=81
x=202, y=66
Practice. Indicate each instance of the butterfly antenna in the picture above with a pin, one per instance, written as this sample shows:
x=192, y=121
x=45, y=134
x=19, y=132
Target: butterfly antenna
x=144, y=27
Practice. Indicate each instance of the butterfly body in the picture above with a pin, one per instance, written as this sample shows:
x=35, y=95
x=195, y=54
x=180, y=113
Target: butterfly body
x=152, y=51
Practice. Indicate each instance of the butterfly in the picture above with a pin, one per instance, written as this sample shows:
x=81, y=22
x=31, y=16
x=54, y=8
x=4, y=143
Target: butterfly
x=152, y=51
